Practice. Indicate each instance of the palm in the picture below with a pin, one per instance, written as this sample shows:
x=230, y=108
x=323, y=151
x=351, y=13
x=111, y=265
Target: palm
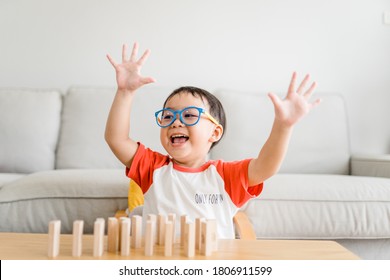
x=296, y=104
x=128, y=76
x=128, y=73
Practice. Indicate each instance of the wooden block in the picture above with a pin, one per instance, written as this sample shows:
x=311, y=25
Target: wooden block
x=149, y=238
x=120, y=231
x=213, y=230
x=153, y=218
x=183, y=221
x=98, y=237
x=198, y=232
x=54, y=238
x=189, y=239
x=113, y=235
x=207, y=245
x=172, y=219
x=161, y=219
x=168, y=239
x=125, y=236
x=136, y=231
x=78, y=228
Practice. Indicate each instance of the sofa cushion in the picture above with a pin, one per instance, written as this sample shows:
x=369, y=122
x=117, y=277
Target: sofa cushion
x=9, y=177
x=85, y=112
x=29, y=125
x=28, y=204
x=319, y=143
x=297, y=206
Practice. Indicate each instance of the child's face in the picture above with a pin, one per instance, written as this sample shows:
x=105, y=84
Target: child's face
x=192, y=149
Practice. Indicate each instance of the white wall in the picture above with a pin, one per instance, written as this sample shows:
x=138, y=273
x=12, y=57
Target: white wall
x=246, y=44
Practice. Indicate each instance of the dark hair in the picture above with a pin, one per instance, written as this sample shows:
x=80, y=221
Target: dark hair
x=216, y=108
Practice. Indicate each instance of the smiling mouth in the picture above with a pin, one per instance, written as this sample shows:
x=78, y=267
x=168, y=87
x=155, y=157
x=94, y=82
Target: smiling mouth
x=179, y=139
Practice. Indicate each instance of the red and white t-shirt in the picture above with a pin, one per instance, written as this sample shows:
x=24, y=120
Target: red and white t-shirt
x=215, y=190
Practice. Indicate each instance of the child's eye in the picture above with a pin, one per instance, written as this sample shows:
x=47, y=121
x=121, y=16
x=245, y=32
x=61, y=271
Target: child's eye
x=188, y=115
x=167, y=117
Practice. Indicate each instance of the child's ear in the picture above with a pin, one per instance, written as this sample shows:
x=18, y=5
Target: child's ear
x=217, y=133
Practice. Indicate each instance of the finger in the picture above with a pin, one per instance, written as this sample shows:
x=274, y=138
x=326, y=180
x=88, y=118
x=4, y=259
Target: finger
x=134, y=52
x=291, y=87
x=303, y=84
x=316, y=103
x=309, y=92
x=124, y=52
x=143, y=57
x=275, y=99
x=112, y=61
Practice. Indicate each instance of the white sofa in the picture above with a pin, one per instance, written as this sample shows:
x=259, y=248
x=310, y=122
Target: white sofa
x=55, y=164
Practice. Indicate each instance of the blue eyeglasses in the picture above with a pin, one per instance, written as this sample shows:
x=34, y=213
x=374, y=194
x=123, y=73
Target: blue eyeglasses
x=189, y=116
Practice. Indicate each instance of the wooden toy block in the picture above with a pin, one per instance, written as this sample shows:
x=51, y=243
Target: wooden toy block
x=120, y=231
x=125, y=236
x=149, y=238
x=208, y=237
x=54, y=238
x=189, y=239
x=183, y=221
x=214, y=239
x=98, y=237
x=153, y=218
x=113, y=235
x=172, y=219
x=77, y=246
x=136, y=231
x=198, y=232
x=161, y=219
x=168, y=239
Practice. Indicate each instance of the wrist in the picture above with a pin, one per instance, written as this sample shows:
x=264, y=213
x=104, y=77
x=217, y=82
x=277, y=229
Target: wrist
x=124, y=91
x=282, y=125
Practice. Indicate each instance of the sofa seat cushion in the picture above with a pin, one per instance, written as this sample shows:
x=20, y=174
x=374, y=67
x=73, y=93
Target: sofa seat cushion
x=294, y=206
x=28, y=204
x=9, y=177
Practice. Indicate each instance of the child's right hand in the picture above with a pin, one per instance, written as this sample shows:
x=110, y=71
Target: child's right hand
x=128, y=75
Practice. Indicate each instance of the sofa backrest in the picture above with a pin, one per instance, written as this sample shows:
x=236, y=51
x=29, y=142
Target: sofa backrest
x=85, y=111
x=29, y=125
x=31, y=122
x=319, y=143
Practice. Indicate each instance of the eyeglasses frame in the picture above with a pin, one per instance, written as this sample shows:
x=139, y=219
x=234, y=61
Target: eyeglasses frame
x=179, y=112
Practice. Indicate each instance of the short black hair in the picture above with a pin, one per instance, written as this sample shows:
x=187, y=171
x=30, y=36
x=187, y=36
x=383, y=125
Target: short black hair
x=216, y=108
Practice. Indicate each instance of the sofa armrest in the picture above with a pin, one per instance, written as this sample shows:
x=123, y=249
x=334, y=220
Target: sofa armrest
x=370, y=165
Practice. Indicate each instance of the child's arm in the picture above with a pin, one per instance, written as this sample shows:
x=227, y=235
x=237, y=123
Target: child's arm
x=118, y=123
x=287, y=113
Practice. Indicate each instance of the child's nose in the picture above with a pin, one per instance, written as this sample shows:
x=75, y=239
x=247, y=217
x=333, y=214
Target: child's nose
x=177, y=122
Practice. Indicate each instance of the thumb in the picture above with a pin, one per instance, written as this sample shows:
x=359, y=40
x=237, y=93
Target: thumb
x=275, y=99
x=147, y=80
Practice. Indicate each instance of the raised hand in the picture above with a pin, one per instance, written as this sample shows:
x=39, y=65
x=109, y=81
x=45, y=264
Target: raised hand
x=128, y=76
x=295, y=105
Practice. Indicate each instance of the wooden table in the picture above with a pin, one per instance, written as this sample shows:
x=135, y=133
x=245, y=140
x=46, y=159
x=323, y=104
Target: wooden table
x=25, y=246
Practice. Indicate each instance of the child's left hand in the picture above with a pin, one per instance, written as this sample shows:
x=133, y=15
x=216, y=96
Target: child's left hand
x=296, y=104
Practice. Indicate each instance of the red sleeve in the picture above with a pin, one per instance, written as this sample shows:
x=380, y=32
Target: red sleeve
x=144, y=163
x=235, y=176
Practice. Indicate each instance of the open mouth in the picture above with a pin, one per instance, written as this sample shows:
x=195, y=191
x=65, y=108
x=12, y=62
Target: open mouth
x=179, y=138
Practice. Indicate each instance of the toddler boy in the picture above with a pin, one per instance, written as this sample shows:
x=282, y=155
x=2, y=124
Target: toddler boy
x=191, y=122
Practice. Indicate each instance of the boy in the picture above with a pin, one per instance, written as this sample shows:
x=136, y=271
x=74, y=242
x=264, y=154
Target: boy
x=192, y=121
